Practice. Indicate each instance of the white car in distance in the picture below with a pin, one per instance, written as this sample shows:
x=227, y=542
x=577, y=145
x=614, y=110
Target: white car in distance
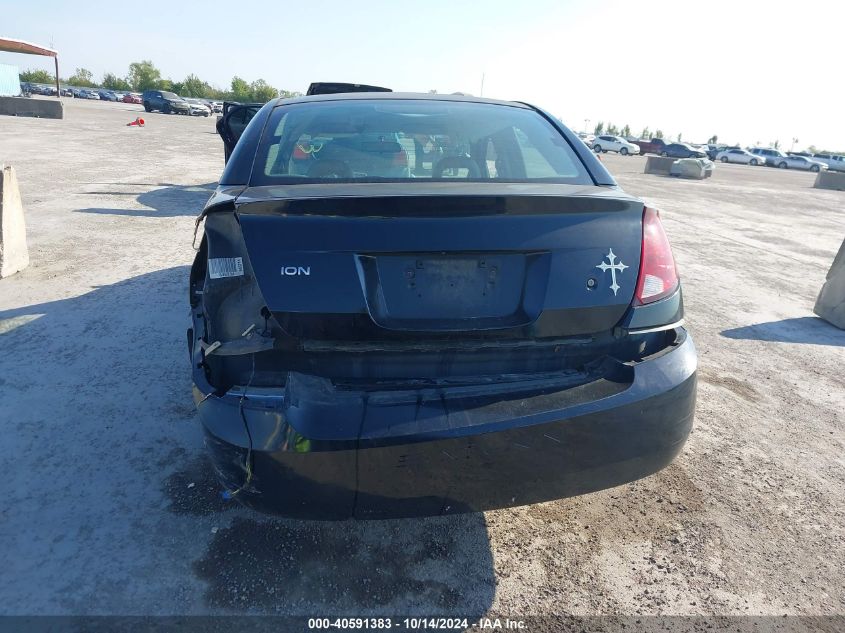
x=737, y=155
x=198, y=108
x=834, y=162
x=607, y=143
x=801, y=162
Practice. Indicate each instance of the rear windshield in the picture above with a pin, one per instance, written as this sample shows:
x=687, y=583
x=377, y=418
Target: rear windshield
x=399, y=140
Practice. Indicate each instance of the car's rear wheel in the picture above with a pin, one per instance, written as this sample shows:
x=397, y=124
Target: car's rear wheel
x=724, y=159
x=166, y=109
x=597, y=148
x=624, y=151
x=754, y=162
x=815, y=168
x=147, y=107
x=782, y=165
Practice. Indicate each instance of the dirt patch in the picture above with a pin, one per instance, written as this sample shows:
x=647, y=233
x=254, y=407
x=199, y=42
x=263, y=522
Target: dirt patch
x=740, y=387
x=193, y=489
x=307, y=567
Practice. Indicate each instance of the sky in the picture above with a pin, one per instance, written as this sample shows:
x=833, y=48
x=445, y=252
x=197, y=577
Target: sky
x=749, y=72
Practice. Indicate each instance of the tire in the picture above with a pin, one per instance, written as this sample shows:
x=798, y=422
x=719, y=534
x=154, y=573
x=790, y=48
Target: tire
x=783, y=166
x=664, y=154
x=724, y=159
x=815, y=168
x=597, y=148
x=624, y=151
x=754, y=162
x=147, y=107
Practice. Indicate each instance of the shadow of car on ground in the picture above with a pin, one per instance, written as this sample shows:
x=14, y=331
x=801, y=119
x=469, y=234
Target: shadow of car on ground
x=810, y=330
x=168, y=201
x=107, y=452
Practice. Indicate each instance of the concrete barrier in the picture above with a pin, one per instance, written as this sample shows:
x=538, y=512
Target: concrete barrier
x=695, y=168
x=14, y=255
x=831, y=302
x=658, y=165
x=24, y=106
x=830, y=180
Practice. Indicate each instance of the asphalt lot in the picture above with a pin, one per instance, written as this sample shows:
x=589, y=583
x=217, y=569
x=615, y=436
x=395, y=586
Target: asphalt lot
x=110, y=508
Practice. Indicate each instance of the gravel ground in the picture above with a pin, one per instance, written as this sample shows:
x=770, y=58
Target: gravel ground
x=111, y=509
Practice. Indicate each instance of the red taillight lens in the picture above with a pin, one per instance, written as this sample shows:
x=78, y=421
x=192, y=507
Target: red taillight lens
x=658, y=274
x=299, y=153
x=400, y=159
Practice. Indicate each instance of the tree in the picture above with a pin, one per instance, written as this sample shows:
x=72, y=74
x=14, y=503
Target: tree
x=713, y=140
x=776, y=145
x=143, y=75
x=626, y=131
x=658, y=134
x=193, y=86
x=82, y=77
x=679, y=137
x=240, y=89
x=612, y=129
x=113, y=82
x=37, y=77
x=646, y=134
x=289, y=94
x=165, y=84
x=262, y=92
x=599, y=128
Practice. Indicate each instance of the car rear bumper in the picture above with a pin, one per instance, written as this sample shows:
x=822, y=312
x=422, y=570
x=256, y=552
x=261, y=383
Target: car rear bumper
x=325, y=453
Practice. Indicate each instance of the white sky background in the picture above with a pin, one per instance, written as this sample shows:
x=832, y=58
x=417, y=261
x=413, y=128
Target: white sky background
x=748, y=71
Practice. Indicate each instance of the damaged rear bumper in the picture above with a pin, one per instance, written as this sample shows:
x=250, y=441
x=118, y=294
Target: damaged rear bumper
x=326, y=451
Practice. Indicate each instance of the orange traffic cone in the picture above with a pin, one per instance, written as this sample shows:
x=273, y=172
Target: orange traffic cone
x=139, y=122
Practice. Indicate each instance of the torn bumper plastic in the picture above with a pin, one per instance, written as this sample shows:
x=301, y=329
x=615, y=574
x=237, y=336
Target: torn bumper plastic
x=327, y=451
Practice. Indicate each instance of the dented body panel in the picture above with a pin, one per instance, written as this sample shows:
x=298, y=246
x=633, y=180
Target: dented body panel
x=378, y=349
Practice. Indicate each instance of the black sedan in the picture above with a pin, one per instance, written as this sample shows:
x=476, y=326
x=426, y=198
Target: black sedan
x=682, y=150
x=411, y=305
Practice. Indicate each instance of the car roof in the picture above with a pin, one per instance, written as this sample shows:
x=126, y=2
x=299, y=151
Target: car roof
x=393, y=96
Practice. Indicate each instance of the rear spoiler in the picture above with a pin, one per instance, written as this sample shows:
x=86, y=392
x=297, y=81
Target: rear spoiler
x=330, y=88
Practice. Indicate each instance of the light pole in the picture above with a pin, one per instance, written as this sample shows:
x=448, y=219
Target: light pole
x=586, y=126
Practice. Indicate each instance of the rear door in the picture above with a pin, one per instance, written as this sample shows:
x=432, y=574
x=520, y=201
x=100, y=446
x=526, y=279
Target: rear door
x=232, y=123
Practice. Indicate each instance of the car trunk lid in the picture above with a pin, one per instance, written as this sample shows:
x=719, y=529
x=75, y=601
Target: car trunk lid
x=508, y=260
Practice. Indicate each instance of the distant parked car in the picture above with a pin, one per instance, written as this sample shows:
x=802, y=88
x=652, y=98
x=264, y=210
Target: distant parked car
x=737, y=155
x=132, y=97
x=801, y=162
x=653, y=146
x=107, y=95
x=607, y=143
x=198, y=108
x=89, y=94
x=771, y=156
x=165, y=102
x=217, y=106
x=834, y=162
x=682, y=150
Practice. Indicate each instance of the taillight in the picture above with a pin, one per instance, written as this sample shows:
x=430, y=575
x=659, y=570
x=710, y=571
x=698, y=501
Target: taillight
x=299, y=153
x=400, y=159
x=658, y=274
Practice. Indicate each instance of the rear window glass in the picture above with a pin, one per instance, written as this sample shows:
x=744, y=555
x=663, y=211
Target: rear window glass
x=398, y=140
